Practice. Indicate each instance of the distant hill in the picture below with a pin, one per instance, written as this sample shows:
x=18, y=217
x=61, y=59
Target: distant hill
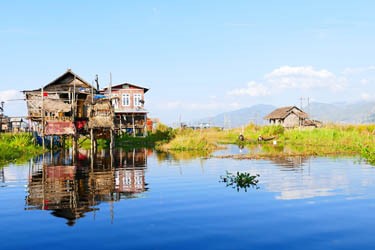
x=361, y=112
x=239, y=117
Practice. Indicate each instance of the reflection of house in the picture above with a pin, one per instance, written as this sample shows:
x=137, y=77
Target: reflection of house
x=130, y=178
x=128, y=101
x=132, y=158
x=295, y=162
x=71, y=191
x=130, y=181
x=56, y=188
x=288, y=117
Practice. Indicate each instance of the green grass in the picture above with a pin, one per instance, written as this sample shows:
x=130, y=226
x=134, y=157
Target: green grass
x=329, y=140
x=161, y=135
x=191, y=140
x=17, y=148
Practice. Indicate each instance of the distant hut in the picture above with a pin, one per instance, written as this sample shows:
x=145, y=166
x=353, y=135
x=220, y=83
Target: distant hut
x=17, y=124
x=4, y=123
x=288, y=117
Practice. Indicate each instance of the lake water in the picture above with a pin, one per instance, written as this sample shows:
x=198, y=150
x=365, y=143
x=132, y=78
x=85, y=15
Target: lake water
x=139, y=199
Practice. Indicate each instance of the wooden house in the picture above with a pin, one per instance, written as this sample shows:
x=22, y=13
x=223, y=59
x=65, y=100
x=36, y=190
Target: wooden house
x=59, y=104
x=69, y=105
x=288, y=117
x=128, y=102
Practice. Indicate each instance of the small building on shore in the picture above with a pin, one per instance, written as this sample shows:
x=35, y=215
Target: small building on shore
x=18, y=124
x=288, y=117
x=4, y=123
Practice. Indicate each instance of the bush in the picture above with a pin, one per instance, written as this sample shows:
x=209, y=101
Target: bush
x=276, y=130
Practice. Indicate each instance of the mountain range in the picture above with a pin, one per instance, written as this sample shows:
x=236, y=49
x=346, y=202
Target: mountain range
x=360, y=112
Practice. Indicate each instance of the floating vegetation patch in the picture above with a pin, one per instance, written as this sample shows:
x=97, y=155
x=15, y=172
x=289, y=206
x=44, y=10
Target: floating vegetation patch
x=240, y=180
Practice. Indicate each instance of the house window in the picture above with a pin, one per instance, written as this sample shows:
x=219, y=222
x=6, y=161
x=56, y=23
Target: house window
x=137, y=100
x=125, y=100
x=115, y=101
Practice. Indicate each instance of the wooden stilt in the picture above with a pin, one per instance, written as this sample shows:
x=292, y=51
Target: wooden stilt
x=75, y=147
x=120, y=125
x=92, y=148
x=43, y=142
x=133, y=125
x=145, y=126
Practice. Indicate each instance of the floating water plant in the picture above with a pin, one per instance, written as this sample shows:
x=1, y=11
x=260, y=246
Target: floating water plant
x=240, y=180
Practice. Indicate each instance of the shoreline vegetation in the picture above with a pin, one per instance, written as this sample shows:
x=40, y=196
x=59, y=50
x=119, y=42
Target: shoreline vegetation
x=17, y=148
x=329, y=140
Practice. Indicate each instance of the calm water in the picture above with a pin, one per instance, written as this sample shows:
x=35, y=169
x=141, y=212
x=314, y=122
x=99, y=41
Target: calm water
x=143, y=200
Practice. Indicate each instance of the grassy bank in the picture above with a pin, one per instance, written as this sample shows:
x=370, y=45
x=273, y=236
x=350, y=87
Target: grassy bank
x=162, y=135
x=17, y=148
x=328, y=140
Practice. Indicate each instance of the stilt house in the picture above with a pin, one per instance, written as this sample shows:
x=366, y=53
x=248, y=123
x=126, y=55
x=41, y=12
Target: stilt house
x=68, y=106
x=128, y=102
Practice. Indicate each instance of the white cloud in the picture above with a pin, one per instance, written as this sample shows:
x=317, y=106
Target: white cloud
x=303, y=71
x=10, y=94
x=303, y=77
x=294, y=79
x=252, y=89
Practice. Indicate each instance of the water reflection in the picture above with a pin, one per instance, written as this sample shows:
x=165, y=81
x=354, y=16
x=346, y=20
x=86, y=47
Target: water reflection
x=294, y=163
x=71, y=187
x=2, y=177
x=180, y=156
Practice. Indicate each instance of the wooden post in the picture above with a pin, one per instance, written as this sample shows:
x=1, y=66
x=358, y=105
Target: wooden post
x=112, y=142
x=42, y=116
x=92, y=147
x=111, y=148
x=133, y=125
x=120, y=125
x=145, y=126
x=75, y=147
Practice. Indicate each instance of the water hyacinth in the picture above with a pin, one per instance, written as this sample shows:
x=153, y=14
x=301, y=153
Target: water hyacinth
x=240, y=180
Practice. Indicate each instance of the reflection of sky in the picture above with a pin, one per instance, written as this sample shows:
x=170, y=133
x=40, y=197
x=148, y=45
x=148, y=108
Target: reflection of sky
x=186, y=205
x=291, y=178
x=14, y=174
x=315, y=178
x=231, y=149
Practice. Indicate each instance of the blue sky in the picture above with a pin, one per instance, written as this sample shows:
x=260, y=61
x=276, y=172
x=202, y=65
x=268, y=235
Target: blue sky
x=198, y=58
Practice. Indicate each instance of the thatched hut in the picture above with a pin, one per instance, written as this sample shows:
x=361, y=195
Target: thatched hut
x=101, y=114
x=68, y=106
x=289, y=117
